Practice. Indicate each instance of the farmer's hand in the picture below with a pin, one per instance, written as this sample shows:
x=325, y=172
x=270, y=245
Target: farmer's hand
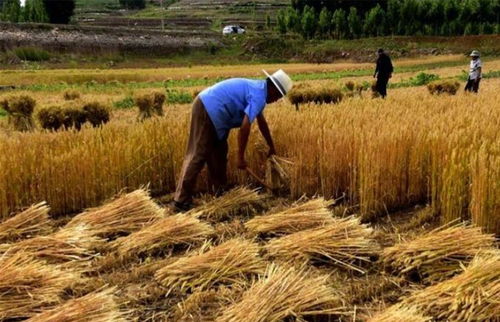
x=242, y=164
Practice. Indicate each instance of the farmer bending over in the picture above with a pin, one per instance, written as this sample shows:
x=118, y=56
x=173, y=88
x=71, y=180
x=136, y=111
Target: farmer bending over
x=475, y=73
x=229, y=104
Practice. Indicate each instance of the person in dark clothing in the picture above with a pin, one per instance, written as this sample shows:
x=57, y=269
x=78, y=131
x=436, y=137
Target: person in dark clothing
x=383, y=72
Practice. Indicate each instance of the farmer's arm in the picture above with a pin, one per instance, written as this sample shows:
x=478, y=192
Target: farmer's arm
x=264, y=129
x=243, y=135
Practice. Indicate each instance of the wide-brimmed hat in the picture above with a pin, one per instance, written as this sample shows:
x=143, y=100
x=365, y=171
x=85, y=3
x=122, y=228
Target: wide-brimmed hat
x=281, y=80
x=475, y=53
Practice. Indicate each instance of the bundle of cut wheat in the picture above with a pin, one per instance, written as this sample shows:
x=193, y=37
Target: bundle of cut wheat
x=73, y=245
x=174, y=230
x=20, y=111
x=342, y=243
x=278, y=172
x=27, y=285
x=240, y=200
x=284, y=292
x=207, y=305
x=400, y=313
x=310, y=214
x=96, y=307
x=473, y=295
x=438, y=254
x=32, y=221
x=127, y=213
x=232, y=261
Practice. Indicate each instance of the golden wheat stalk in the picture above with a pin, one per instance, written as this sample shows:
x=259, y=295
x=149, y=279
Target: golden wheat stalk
x=180, y=229
x=473, y=295
x=27, y=285
x=285, y=292
x=96, y=307
x=438, y=254
x=400, y=313
x=240, y=200
x=73, y=246
x=278, y=172
x=310, y=214
x=342, y=243
x=233, y=261
x=32, y=221
x=127, y=213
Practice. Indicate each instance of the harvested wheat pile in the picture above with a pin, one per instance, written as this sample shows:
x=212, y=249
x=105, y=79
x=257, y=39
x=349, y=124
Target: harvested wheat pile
x=73, y=246
x=206, y=305
x=473, y=295
x=174, y=230
x=126, y=214
x=27, y=285
x=96, y=307
x=32, y=221
x=400, y=313
x=240, y=200
x=438, y=254
x=310, y=214
x=285, y=292
x=443, y=87
x=343, y=243
x=233, y=261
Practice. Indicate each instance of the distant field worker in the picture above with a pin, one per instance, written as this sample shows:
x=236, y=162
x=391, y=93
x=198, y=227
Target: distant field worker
x=232, y=103
x=383, y=72
x=475, y=73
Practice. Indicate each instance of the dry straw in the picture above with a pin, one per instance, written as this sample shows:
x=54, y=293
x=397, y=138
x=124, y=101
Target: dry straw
x=400, y=313
x=20, y=111
x=27, y=285
x=473, y=295
x=240, y=200
x=74, y=246
x=70, y=95
x=310, y=214
x=125, y=214
x=344, y=243
x=231, y=262
x=285, y=292
x=278, y=172
x=443, y=87
x=170, y=231
x=32, y=221
x=98, y=306
x=150, y=104
x=438, y=254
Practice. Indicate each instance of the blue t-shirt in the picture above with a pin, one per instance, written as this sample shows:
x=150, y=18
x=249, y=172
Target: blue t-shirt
x=227, y=103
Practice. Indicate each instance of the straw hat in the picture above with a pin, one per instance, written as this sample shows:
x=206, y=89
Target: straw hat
x=281, y=80
x=475, y=53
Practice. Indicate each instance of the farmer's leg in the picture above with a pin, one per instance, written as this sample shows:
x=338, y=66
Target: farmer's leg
x=475, y=86
x=199, y=147
x=468, y=86
x=382, y=86
x=217, y=167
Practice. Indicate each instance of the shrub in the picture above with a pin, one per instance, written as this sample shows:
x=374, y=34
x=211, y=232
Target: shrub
x=74, y=117
x=71, y=95
x=59, y=11
x=423, y=79
x=133, y=4
x=31, y=54
x=97, y=114
x=126, y=102
x=19, y=111
x=51, y=118
x=443, y=87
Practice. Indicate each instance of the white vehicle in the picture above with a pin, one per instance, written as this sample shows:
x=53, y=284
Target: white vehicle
x=233, y=29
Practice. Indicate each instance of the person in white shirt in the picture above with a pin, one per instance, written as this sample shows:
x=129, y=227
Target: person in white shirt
x=475, y=73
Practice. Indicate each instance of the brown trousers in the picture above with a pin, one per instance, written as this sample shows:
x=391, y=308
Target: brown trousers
x=203, y=147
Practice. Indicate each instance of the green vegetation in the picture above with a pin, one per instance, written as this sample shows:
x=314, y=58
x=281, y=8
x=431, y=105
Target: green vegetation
x=31, y=54
x=125, y=103
x=133, y=4
x=355, y=19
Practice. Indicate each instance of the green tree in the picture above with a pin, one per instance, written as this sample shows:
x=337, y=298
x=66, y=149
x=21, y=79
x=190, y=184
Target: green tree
x=281, y=22
x=325, y=23
x=11, y=11
x=354, y=23
x=59, y=11
x=339, y=24
x=293, y=21
x=34, y=11
x=393, y=16
x=375, y=22
x=269, y=24
x=308, y=22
